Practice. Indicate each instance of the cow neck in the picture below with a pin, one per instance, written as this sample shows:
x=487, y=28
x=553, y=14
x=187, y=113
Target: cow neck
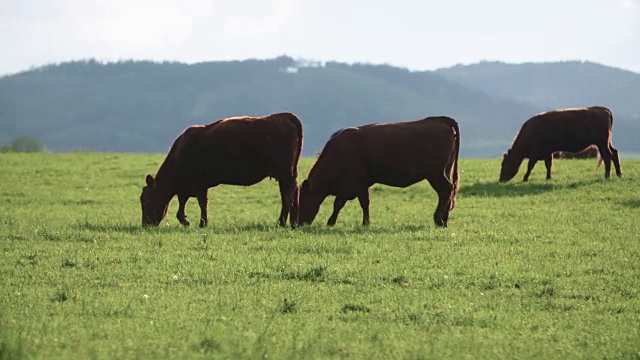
x=319, y=183
x=517, y=154
x=520, y=145
x=166, y=180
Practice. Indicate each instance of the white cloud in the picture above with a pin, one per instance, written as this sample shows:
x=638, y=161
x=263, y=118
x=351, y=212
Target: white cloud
x=413, y=33
x=136, y=25
x=256, y=23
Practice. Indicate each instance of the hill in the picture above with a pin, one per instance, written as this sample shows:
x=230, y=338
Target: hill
x=553, y=85
x=560, y=85
x=139, y=106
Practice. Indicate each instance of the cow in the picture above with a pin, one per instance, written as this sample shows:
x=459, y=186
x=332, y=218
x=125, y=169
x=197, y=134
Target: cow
x=236, y=151
x=569, y=130
x=588, y=153
x=396, y=154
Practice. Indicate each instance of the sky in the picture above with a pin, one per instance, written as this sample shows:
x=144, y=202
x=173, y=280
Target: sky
x=415, y=34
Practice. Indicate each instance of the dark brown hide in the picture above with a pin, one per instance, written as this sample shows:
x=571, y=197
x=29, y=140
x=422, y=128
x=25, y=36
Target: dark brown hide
x=569, y=130
x=395, y=154
x=234, y=151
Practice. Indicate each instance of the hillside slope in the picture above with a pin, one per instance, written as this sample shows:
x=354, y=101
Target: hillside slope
x=138, y=106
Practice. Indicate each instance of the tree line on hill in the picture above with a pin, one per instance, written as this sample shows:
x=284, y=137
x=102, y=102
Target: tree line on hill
x=141, y=106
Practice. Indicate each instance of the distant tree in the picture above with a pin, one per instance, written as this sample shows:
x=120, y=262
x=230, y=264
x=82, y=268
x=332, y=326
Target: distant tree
x=23, y=144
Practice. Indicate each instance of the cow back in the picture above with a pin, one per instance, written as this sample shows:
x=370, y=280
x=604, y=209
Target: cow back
x=395, y=154
x=238, y=151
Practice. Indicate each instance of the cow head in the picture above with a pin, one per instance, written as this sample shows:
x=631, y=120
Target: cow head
x=510, y=166
x=310, y=201
x=154, y=208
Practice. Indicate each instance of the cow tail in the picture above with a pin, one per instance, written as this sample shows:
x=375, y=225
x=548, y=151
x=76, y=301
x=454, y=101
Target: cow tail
x=456, y=175
x=300, y=133
x=609, y=136
x=610, y=126
x=296, y=159
x=610, y=117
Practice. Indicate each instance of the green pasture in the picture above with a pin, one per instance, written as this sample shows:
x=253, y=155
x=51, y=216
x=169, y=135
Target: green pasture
x=542, y=270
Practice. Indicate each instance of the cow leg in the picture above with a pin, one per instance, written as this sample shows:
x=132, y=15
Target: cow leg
x=547, y=163
x=288, y=190
x=444, y=189
x=182, y=202
x=338, y=204
x=203, y=202
x=530, y=166
x=363, y=199
x=606, y=155
x=616, y=160
x=295, y=206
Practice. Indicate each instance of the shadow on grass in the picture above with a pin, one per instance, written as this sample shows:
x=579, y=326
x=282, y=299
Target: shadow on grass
x=177, y=228
x=495, y=189
x=346, y=229
x=319, y=229
x=631, y=203
x=246, y=227
x=105, y=227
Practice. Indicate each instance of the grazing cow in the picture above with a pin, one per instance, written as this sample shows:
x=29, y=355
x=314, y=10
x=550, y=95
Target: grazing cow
x=395, y=154
x=235, y=151
x=570, y=130
x=588, y=153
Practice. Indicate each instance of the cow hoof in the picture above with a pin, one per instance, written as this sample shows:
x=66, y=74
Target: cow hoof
x=442, y=223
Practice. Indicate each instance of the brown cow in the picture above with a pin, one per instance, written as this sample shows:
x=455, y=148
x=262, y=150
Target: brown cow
x=588, y=153
x=395, y=154
x=236, y=151
x=571, y=130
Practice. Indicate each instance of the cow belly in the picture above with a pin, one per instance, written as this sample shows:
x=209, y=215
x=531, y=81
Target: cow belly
x=397, y=179
x=242, y=179
x=236, y=173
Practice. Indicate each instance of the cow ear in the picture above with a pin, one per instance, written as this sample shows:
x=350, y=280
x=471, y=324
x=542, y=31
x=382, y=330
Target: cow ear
x=151, y=182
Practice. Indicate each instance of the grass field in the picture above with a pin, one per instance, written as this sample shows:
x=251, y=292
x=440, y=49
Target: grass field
x=545, y=269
